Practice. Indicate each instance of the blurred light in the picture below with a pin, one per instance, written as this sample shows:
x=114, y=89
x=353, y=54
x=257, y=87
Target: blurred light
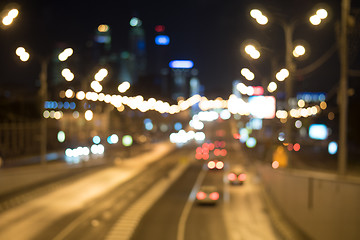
x=251, y=142
x=46, y=114
x=97, y=149
x=323, y=105
x=262, y=106
x=298, y=124
x=80, y=95
x=135, y=22
x=178, y=126
x=123, y=87
x=255, y=13
x=101, y=74
x=214, y=196
x=275, y=164
x=61, y=136
x=282, y=74
x=76, y=114
x=272, y=87
x=296, y=147
x=89, y=115
x=332, y=147
x=247, y=74
x=159, y=28
x=281, y=137
x=7, y=20
x=96, y=139
x=162, y=40
x=127, y=140
x=262, y=20
x=19, y=51
x=322, y=13
x=315, y=20
x=186, y=64
x=252, y=51
x=113, y=139
x=301, y=103
x=318, y=131
x=299, y=50
x=103, y=28
x=69, y=93
x=225, y=114
x=331, y=116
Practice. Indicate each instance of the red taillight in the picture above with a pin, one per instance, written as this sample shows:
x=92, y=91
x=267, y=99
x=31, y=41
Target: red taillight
x=211, y=165
x=200, y=195
x=232, y=176
x=214, y=196
x=219, y=165
x=242, y=177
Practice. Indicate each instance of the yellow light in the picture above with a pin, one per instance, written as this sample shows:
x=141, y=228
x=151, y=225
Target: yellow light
x=322, y=13
x=315, y=20
x=103, y=28
x=262, y=20
x=323, y=105
x=80, y=95
x=19, y=51
x=7, y=20
x=13, y=13
x=69, y=93
x=272, y=87
x=25, y=56
x=255, y=13
x=301, y=103
x=299, y=51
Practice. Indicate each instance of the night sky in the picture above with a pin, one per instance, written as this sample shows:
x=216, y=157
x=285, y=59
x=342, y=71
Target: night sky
x=209, y=32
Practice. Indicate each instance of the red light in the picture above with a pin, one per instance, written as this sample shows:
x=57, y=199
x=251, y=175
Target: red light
x=296, y=147
x=200, y=195
x=222, y=144
x=159, y=28
x=290, y=147
x=242, y=177
x=205, y=145
x=223, y=152
x=214, y=196
x=236, y=135
x=217, y=152
x=198, y=150
x=232, y=176
x=258, y=90
x=211, y=146
x=205, y=156
x=198, y=156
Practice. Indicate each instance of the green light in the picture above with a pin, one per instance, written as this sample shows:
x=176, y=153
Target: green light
x=127, y=140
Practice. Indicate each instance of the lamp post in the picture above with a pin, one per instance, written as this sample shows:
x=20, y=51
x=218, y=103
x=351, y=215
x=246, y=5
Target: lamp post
x=290, y=52
x=44, y=63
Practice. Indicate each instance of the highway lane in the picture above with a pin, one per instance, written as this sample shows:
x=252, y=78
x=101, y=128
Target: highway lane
x=240, y=213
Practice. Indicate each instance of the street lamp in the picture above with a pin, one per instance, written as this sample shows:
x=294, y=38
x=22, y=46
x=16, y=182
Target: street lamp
x=9, y=18
x=44, y=62
x=290, y=68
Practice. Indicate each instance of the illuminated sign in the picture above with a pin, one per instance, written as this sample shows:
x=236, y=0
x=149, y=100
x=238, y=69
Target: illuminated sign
x=262, y=107
x=318, y=131
x=185, y=64
x=162, y=40
x=311, y=96
x=258, y=90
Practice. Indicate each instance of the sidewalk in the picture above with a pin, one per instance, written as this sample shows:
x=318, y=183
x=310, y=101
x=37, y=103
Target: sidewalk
x=19, y=179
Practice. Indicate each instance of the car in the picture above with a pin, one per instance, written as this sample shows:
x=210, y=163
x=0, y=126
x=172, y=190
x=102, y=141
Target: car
x=207, y=195
x=236, y=176
x=215, y=165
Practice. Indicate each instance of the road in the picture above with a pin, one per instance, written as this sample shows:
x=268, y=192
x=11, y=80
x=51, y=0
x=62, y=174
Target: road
x=149, y=197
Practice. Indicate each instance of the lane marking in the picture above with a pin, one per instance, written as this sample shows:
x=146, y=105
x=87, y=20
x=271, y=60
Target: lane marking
x=186, y=211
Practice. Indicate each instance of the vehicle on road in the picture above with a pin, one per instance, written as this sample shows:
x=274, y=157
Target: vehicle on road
x=236, y=176
x=207, y=195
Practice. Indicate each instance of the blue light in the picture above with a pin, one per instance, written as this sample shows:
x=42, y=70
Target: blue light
x=162, y=40
x=72, y=105
x=149, y=126
x=332, y=148
x=185, y=64
x=178, y=126
x=66, y=105
x=96, y=139
x=318, y=131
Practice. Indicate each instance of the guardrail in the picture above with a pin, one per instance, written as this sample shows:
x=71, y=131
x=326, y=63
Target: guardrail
x=322, y=205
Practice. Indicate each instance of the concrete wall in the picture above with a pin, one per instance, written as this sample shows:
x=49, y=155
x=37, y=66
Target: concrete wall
x=324, y=206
